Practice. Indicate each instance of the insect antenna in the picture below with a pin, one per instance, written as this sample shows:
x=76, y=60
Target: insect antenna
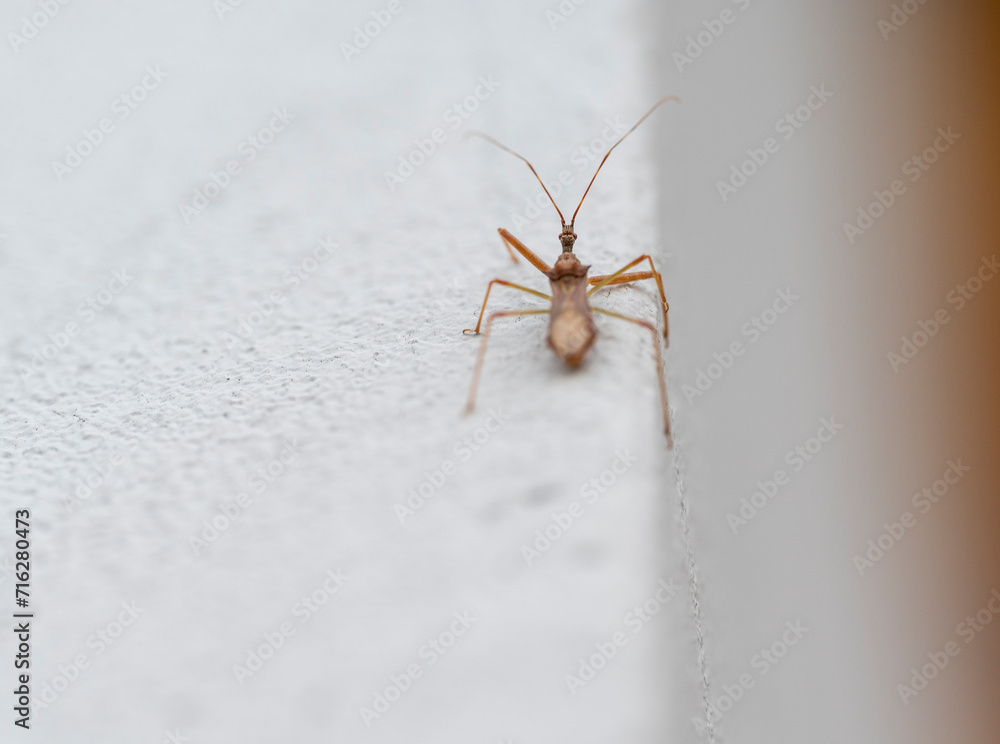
x=482, y=135
x=655, y=106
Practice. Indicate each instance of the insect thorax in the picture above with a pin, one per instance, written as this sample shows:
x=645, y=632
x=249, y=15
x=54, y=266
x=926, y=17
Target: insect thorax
x=567, y=265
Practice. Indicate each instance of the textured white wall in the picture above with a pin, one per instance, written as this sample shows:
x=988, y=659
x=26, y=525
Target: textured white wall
x=356, y=375
x=221, y=350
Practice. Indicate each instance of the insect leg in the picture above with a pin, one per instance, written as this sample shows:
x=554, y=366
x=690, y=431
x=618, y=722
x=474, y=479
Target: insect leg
x=471, y=403
x=659, y=367
x=510, y=241
x=623, y=279
x=510, y=251
x=506, y=284
x=610, y=279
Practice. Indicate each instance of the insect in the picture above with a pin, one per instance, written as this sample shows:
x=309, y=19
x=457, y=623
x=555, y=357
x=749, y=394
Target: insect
x=572, y=330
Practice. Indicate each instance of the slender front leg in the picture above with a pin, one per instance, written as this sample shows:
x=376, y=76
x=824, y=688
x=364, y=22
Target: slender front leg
x=510, y=251
x=509, y=240
x=654, y=274
x=506, y=284
x=623, y=279
x=482, y=351
x=659, y=367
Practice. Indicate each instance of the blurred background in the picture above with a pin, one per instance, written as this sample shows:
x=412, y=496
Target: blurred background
x=239, y=241
x=876, y=543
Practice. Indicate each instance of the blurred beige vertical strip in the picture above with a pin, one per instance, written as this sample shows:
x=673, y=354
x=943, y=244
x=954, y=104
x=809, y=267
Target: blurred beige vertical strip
x=927, y=315
x=881, y=212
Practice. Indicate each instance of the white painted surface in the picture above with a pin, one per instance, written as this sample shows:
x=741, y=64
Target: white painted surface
x=362, y=369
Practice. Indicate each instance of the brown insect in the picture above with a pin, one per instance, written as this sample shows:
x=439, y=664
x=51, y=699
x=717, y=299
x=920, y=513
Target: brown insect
x=571, y=318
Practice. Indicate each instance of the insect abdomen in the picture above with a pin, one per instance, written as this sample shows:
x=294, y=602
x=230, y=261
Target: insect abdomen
x=571, y=334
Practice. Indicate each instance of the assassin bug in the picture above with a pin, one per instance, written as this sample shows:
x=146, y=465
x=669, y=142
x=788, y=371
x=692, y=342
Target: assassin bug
x=571, y=318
